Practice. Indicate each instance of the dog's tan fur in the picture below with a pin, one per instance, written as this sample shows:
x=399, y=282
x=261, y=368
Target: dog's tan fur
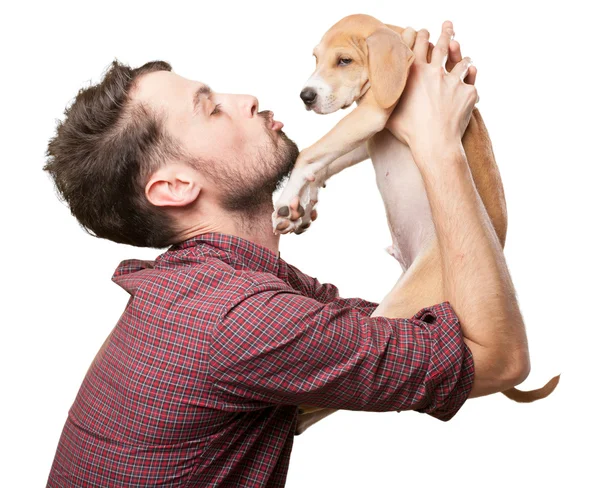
x=382, y=56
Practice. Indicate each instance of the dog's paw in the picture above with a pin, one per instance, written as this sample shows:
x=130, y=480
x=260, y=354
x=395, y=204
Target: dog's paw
x=288, y=209
x=299, y=214
x=306, y=221
x=309, y=199
x=286, y=218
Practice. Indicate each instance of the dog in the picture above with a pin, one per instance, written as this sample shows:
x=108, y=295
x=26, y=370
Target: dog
x=363, y=60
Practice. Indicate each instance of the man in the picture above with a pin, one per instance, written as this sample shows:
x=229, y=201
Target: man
x=199, y=382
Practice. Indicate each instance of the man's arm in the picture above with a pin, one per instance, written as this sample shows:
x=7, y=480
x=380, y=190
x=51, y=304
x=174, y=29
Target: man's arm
x=276, y=346
x=476, y=278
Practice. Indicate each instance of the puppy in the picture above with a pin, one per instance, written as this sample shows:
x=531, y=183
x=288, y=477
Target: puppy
x=363, y=60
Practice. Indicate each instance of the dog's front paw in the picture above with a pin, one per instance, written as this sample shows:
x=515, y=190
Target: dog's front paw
x=300, y=213
x=287, y=217
x=309, y=199
x=288, y=209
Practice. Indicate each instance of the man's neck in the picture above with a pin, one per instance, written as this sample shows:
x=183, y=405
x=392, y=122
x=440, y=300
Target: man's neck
x=256, y=228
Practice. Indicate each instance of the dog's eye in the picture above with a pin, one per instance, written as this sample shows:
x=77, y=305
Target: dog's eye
x=344, y=61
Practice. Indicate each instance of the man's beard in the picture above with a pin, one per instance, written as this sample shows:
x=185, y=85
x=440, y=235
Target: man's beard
x=247, y=187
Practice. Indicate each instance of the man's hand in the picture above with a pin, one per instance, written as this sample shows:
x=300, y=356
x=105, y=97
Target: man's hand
x=436, y=100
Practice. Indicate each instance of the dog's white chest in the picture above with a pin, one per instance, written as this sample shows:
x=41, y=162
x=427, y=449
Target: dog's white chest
x=404, y=196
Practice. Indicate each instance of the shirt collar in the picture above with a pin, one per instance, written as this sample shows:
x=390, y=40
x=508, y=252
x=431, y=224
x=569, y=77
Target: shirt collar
x=237, y=252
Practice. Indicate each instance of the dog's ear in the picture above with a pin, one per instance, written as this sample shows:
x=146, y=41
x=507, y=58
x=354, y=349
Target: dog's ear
x=389, y=62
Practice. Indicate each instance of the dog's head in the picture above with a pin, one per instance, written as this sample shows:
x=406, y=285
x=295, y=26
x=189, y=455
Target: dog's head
x=357, y=54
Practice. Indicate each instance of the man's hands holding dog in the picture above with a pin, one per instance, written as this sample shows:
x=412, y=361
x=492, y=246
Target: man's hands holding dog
x=439, y=96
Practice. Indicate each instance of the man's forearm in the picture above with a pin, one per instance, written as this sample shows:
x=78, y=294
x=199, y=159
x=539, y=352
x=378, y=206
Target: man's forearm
x=477, y=282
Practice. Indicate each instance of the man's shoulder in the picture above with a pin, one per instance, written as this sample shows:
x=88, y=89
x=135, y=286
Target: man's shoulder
x=199, y=284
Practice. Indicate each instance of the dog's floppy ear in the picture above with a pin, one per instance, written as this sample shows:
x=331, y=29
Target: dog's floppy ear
x=389, y=62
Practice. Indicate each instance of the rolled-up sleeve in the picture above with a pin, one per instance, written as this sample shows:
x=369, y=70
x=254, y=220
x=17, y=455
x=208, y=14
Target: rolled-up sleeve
x=279, y=347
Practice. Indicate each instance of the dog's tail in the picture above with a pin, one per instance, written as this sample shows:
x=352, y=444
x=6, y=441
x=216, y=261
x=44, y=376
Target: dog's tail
x=533, y=395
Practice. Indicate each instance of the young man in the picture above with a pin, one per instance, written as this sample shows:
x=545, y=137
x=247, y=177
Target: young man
x=199, y=382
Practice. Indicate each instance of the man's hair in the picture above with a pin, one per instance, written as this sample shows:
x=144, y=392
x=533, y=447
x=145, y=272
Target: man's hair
x=102, y=155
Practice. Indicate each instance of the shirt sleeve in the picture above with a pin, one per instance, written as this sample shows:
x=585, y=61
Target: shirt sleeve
x=279, y=347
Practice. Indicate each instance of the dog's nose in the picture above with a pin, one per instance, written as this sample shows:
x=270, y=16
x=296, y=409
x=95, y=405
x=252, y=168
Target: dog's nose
x=308, y=96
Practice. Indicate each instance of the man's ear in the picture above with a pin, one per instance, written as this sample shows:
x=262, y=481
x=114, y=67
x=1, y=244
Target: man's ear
x=389, y=63
x=173, y=185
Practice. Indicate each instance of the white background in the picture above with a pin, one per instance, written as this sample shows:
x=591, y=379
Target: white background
x=538, y=84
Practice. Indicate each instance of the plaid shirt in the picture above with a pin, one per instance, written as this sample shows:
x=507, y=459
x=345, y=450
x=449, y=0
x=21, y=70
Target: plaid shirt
x=199, y=382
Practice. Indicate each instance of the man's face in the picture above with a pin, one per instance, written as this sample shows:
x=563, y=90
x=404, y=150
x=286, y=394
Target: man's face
x=241, y=150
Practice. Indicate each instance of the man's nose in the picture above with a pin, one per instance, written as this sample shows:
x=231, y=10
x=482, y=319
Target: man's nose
x=249, y=106
x=308, y=96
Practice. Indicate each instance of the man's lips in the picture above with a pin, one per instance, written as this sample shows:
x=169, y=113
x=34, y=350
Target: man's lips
x=274, y=124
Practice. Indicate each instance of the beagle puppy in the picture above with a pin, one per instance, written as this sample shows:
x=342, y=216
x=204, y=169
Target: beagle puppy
x=364, y=61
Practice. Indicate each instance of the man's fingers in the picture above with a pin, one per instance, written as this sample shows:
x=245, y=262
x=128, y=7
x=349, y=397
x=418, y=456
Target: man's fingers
x=454, y=56
x=471, y=74
x=440, y=51
x=421, y=46
x=462, y=68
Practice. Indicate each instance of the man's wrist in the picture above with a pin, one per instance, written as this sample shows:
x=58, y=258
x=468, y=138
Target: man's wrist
x=434, y=155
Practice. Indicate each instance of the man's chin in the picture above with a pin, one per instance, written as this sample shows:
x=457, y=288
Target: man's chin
x=288, y=159
x=257, y=192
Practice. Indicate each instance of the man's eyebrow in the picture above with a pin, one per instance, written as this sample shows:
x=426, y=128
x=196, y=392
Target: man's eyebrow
x=202, y=90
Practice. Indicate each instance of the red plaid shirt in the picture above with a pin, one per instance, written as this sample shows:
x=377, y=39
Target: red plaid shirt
x=221, y=340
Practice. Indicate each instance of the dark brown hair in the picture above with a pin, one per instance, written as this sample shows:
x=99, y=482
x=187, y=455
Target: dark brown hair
x=102, y=155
